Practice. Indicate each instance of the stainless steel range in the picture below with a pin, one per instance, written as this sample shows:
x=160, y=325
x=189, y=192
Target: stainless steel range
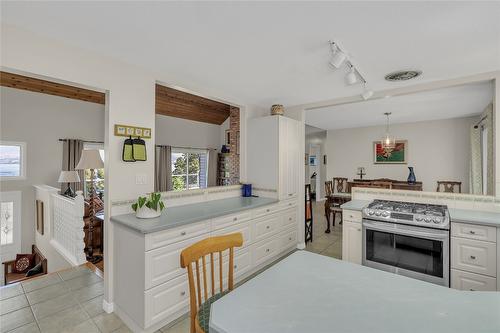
x=410, y=239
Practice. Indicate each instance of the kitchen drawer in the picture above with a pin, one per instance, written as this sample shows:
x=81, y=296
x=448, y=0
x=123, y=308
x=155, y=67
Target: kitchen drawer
x=288, y=218
x=266, y=210
x=351, y=215
x=266, y=227
x=166, y=237
x=229, y=220
x=166, y=299
x=287, y=240
x=473, y=231
x=244, y=228
x=264, y=251
x=469, y=281
x=285, y=204
x=474, y=256
x=163, y=264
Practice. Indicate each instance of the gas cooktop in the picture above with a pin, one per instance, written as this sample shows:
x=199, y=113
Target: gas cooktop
x=425, y=215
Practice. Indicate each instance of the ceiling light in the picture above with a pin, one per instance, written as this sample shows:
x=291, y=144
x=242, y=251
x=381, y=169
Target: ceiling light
x=351, y=77
x=338, y=59
x=403, y=75
x=388, y=142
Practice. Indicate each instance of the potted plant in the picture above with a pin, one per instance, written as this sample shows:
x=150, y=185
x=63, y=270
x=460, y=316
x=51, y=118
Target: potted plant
x=148, y=207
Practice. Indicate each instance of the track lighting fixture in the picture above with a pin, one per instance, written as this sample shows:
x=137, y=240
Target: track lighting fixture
x=351, y=77
x=367, y=93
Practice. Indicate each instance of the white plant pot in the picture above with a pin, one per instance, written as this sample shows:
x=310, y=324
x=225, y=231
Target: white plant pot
x=147, y=213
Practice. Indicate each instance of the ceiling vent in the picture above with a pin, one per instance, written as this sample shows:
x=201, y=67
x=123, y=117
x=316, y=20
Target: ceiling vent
x=402, y=75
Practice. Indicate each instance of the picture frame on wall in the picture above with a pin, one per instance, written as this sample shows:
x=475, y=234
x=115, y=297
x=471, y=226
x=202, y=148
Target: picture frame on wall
x=228, y=137
x=399, y=155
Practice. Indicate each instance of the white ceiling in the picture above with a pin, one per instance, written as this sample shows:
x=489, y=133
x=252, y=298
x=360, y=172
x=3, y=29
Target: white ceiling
x=454, y=102
x=275, y=52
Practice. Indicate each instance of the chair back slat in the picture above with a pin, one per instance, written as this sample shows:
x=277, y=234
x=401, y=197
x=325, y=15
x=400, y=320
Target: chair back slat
x=340, y=184
x=191, y=257
x=328, y=188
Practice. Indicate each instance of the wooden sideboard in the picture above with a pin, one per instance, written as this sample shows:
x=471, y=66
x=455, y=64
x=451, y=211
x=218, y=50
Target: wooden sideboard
x=395, y=184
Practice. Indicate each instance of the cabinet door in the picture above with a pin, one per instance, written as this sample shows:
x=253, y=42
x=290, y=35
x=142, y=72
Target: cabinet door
x=351, y=242
x=469, y=281
x=474, y=256
x=289, y=143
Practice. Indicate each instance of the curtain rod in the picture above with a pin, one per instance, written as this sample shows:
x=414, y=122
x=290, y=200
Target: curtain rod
x=480, y=121
x=186, y=147
x=84, y=141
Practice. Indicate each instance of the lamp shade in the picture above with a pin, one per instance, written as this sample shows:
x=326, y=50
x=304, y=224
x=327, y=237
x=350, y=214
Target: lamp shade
x=69, y=177
x=91, y=159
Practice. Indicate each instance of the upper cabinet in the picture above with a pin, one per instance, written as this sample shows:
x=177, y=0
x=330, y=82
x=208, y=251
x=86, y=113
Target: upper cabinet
x=274, y=154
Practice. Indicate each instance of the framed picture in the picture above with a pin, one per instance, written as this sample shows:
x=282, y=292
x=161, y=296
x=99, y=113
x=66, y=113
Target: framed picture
x=39, y=216
x=397, y=156
x=324, y=159
x=228, y=137
x=312, y=160
x=307, y=159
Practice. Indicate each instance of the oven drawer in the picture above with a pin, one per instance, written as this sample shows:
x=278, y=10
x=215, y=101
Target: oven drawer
x=351, y=215
x=472, y=231
x=469, y=281
x=474, y=256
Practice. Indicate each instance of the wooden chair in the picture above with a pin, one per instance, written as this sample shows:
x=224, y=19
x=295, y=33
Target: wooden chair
x=449, y=186
x=11, y=277
x=340, y=185
x=200, y=306
x=331, y=206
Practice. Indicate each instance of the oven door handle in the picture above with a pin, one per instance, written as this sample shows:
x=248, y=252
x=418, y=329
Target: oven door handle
x=406, y=232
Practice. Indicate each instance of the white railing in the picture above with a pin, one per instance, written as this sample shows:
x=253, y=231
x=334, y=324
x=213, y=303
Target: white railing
x=67, y=227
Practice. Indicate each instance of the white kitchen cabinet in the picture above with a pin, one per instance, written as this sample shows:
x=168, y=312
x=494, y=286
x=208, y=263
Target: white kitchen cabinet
x=474, y=256
x=352, y=242
x=462, y=280
x=273, y=155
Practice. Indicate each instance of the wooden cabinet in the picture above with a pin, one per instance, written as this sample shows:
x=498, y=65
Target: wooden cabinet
x=474, y=257
x=273, y=155
x=352, y=242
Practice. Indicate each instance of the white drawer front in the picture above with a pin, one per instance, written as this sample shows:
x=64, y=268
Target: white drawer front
x=243, y=228
x=469, y=281
x=285, y=204
x=288, y=240
x=230, y=220
x=472, y=231
x=163, y=264
x=474, y=256
x=264, y=251
x=166, y=299
x=162, y=238
x=266, y=227
x=352, y=215
x=288, y=218
x=266, y=210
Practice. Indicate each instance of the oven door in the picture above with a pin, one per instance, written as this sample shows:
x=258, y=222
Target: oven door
x=417, y=252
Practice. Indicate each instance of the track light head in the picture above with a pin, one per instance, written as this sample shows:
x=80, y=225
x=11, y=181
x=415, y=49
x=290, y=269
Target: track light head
x=367, y=94
x=351, y=77
x=338, y=59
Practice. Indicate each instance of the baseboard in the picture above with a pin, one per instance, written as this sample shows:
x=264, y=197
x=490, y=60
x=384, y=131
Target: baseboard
x=301, y=246
x=107, y=307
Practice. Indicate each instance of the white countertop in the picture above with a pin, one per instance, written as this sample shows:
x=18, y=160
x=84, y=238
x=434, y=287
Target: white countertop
x=356, y=204
x=307, y=292
x=475, y=217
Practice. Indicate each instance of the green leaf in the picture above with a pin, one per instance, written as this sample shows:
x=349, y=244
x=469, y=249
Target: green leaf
x=141, y=201
x=162, y=205
x=134, y=207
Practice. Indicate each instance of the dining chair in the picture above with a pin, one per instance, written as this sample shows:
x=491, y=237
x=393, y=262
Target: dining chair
x=448, y=186
x=340, y=184
x=331, y=206
x=199, y=297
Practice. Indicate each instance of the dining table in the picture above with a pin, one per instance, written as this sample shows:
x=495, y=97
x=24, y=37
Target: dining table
x=308, y=292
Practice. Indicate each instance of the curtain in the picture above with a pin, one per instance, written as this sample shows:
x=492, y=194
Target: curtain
x=212, y=167
x=72, y=151
x=163, y=169
x=477, y=175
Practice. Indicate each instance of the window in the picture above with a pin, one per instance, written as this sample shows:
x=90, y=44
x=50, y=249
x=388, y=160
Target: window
x=98, y=173
x=12, y=160
x=7, y=223
x=189, y=169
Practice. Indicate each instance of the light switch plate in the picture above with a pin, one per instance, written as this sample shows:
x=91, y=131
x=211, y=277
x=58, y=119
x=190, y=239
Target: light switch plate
x=141, y=179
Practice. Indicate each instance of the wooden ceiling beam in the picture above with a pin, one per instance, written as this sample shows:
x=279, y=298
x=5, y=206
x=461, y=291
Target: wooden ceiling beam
x=17, y=81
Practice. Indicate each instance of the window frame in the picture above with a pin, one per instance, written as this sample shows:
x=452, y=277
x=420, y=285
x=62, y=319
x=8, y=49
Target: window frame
x=188, y=151
x=94, y=146
x=23, y=160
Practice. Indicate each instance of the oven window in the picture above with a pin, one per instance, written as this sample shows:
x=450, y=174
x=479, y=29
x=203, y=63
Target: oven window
x=411, y=253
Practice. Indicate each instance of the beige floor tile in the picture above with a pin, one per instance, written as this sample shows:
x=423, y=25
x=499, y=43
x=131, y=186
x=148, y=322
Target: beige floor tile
x=82, y=281
x=16, y=319
x=40, y=282
x=181, y=327
x=334, y=251
x=88, y=326
x=63, y=320
x=93, y=306
x=10, y=291
x=53, y=305
x=89, y=292
x=13, y=304
x=108, y=322
x=74, y=272
x=124, y=329
x=29, y=328
x=46, y=293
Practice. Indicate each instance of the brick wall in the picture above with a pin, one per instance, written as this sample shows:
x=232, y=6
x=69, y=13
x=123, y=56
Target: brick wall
x=234, y=132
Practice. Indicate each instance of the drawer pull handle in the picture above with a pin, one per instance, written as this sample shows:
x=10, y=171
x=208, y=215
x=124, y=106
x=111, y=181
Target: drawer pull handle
x=235, y=219
x=471, y=289
x=267, y=210
x=472, y=232
x=289, y=204
x=183, y=293
x=267, y=227
x=289, y=219
x=358, y=229
x=235, y=266
x=290, y=238
x=183, y=233
x=473, y=257
x=290, y=194
x=267, y=250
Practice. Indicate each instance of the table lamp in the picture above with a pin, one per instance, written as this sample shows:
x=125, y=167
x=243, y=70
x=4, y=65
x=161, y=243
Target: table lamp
x=91, y=159
x=69, y=177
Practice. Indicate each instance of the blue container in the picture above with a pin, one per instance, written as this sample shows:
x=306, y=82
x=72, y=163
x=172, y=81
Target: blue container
x=246, y=190
x=412, y=179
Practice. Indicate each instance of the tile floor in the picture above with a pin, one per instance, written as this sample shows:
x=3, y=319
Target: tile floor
x=71, y=300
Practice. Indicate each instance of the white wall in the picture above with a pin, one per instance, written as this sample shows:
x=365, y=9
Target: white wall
x=40, y=121
x=316, y=141
x=438, y=150
x=180, y=132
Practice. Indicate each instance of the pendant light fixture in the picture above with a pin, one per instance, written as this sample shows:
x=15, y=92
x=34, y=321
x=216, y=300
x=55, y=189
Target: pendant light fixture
x=388, y=141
